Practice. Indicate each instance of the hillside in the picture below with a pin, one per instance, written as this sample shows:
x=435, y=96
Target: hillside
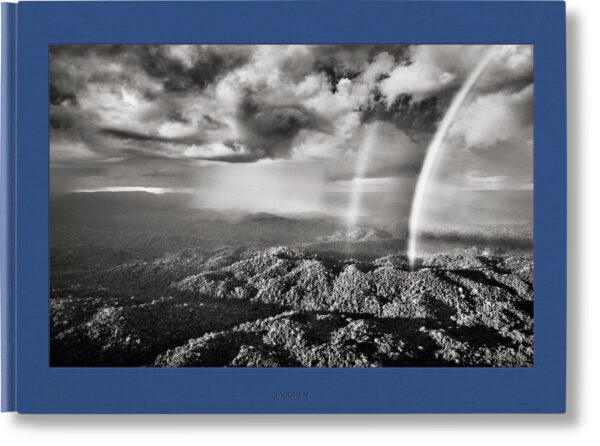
x=165, y=285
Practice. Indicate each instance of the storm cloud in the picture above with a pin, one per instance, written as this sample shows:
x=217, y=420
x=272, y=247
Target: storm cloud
x=126, y=135
x=269, y=130
x=188, y=68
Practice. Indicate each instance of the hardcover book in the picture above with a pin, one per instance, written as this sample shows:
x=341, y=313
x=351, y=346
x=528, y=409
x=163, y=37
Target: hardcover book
x=283, y=207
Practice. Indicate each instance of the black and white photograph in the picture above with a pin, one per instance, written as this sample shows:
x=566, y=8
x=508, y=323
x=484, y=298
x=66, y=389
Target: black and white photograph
x=291, y=205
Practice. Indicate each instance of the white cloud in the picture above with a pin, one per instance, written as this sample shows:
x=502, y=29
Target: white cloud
x=496, y=117
x=171, y=129
x=382, y=64
x=432, y=69
x=435, y=68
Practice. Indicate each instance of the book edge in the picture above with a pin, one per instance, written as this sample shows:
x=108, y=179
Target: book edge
x=7, y=242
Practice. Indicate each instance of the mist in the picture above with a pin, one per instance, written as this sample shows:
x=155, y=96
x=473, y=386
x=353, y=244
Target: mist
x=271, y=186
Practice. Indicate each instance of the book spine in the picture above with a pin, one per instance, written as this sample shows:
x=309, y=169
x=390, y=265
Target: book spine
x=7, y=206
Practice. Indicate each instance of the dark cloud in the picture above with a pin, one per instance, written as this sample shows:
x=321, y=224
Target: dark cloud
x=233, y=158
x=335, y=73
x=337, y=61
x=207, y=64
x=73, y=67
x=353, y=58
x=58, y=95
x=127, y=135
x=140, y=155
x=61, y=121
x=177, y=116
x=143, y=156
x=213, y=123
x=358, y=54
x=405, y=113
x=271, y=129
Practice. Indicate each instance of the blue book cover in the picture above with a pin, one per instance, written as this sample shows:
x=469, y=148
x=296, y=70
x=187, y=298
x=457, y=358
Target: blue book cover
x=283, y=207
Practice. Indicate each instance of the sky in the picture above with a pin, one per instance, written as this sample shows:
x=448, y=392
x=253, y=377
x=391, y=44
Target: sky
x=292, y=128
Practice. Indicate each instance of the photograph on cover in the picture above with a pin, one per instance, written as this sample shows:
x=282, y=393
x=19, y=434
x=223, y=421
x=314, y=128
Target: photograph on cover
x=291, y=205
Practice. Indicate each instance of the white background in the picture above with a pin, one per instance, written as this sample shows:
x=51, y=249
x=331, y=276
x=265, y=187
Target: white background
x=581, y=424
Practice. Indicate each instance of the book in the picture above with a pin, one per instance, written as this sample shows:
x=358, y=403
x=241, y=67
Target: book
x=283, y=207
